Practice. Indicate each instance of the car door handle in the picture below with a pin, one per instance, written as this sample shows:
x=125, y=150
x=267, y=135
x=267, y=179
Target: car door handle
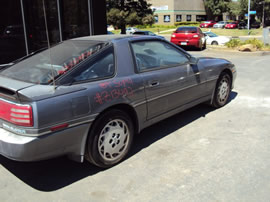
x=154, y=83
x=181, y=78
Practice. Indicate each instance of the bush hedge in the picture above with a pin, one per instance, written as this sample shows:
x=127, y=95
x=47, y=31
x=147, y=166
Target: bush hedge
x=234, y=43
x=190, y=23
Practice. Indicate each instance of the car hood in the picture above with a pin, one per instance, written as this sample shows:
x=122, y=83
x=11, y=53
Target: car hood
x=27, y=92
x=221, y=38
x=209, y=61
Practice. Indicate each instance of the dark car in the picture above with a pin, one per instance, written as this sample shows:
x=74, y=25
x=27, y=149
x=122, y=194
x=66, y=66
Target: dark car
x=87, y=97
x=255, y=25
x=242, y=25
x=189, y=36
x=147, y=33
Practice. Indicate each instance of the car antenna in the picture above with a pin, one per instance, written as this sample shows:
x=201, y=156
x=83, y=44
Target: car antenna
x=49, y=46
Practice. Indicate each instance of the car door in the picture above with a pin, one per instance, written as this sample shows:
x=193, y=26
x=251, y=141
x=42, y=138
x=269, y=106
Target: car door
x=167, y=74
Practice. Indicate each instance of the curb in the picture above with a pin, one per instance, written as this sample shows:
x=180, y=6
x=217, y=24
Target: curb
x=230, y=51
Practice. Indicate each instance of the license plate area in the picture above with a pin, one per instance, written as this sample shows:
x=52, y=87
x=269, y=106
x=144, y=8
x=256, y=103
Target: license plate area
x=183, y=43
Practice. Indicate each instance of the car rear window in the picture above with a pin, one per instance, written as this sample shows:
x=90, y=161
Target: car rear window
x=186, y=30
x=47, y=65
x=141, y=33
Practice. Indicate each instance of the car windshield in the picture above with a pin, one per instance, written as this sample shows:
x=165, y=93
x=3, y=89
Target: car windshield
x=186, y=30
x=207, y=22
x=232, y=23
x=47, y=65
x=211, y=34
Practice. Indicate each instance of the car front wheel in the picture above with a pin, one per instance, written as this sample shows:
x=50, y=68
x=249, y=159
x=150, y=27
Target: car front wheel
x=222, y=91
x=110, y=139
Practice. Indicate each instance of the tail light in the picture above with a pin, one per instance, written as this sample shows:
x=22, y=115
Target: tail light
x=173, y=35
x=18, y=114
x=196, y=36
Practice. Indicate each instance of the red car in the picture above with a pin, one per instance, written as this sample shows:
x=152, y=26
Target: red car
x=189, y=36
x=207, y=24
x=231, y=25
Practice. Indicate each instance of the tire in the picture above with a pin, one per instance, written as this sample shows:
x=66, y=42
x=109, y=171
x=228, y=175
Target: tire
x=110, y=139
x=200, y=48
x=222, y=90
x=204, y=45
x=214, y=43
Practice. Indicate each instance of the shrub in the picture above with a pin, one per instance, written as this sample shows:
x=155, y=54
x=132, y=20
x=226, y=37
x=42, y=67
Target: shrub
x=233, y=43
x=164, y=26
x=187, y=23
x=255, y=42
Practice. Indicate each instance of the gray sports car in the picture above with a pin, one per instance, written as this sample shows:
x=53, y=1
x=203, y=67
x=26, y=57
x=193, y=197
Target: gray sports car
x=88, y=97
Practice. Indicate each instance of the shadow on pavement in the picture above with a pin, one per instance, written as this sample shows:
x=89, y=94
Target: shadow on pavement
x=54, y=174
x=160, y=130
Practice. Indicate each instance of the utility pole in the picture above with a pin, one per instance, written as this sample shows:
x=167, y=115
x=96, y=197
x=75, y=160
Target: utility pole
x=248, y=15
x=263, y=15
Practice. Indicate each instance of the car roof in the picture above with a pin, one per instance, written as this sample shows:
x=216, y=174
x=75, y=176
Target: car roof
x=114, y=37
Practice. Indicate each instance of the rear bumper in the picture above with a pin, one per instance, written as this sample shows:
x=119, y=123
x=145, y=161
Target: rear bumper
x=191, y=42
x=24, y=148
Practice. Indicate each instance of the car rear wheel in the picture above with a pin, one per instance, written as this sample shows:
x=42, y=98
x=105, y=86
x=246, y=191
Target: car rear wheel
x=110, y=139
x=204, y=45
x=222, y=91
x=214, y=43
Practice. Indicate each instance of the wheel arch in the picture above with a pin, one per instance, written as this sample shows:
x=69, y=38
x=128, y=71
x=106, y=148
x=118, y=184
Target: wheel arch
x=227, y=71
x=127, y=109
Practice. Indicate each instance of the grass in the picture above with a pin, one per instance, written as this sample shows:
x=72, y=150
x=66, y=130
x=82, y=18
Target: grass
x=234, y=32
x=221, y=32
x=230, y=32
x=152, y=29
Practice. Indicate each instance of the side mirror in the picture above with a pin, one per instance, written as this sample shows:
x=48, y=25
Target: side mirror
x=193, y=60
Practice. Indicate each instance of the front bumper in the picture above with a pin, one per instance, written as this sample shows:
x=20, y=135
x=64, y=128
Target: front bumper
x=70, y=141
x=234, y=75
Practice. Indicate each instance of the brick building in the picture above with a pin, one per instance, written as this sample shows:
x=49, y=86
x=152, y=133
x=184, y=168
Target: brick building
x=170, y=11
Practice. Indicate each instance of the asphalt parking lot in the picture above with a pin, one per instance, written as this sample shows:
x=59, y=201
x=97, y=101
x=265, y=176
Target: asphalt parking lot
x=198, y=155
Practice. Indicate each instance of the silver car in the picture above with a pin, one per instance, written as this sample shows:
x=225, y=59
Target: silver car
x=87, y=97
x=220, y=24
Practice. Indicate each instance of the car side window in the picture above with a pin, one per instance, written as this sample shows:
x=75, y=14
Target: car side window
x=102, y=66
x=151, y=55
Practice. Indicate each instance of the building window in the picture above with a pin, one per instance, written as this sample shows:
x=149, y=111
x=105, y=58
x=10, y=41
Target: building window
x=167, y=18
x=156, y=18
x=178, y=18
x=188, y=17
x=200, y=18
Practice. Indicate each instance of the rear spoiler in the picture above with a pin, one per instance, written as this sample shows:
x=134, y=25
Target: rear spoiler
x=12, y=95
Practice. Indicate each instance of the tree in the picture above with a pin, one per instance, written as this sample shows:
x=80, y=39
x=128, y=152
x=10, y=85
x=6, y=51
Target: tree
x=148, y=20
x=262, y=8
x=234, y=8
x=216, y=7
x=131, y=12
